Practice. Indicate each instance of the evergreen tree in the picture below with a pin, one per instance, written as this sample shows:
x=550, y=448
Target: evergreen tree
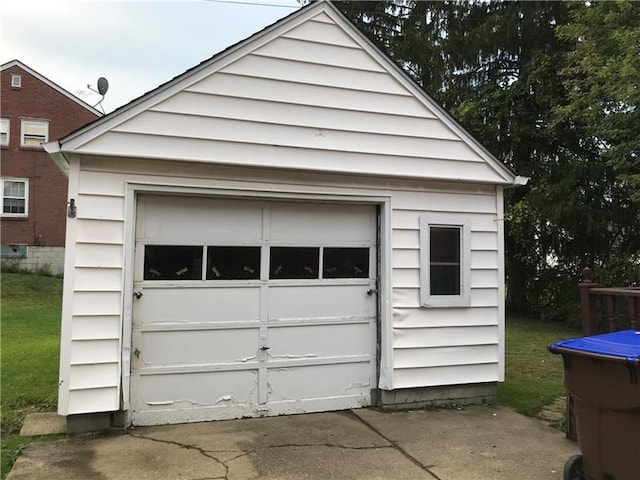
x=512, y=74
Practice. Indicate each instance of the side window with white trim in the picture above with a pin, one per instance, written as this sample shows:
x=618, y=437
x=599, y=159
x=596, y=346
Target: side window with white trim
x=445, y=252
x=34, y=133
x=5, y=130
x=15, y=197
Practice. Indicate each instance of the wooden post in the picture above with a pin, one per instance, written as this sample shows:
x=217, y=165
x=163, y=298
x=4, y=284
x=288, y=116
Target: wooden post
x=587, y=304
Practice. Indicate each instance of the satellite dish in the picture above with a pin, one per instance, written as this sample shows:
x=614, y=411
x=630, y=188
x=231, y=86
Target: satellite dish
x=103, y=86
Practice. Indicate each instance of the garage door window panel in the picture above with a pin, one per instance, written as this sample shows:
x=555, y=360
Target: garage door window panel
x=345, y=262
x=294, y=263
x=233, y=263
x=173, y=262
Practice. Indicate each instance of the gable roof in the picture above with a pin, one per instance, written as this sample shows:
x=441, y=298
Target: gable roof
x=77, y=141
x=56, y=87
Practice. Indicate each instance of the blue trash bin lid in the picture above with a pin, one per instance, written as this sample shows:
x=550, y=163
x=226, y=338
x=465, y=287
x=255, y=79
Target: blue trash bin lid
x=623, y=345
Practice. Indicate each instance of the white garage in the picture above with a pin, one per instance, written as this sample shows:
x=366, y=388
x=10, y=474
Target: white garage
x=291, y=226
x=250, y=306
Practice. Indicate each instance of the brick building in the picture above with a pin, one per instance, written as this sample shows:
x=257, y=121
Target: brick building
x=34, y=110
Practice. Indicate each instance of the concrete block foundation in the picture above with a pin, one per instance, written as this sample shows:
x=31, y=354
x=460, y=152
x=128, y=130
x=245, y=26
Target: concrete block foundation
x=439, y=396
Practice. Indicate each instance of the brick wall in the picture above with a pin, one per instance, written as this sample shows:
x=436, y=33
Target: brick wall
x=45, y=224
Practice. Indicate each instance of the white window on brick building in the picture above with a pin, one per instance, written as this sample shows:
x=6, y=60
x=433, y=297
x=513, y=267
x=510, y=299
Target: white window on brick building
x=34, y=133
x=16, y=81
x=5, y=128
x=15, y=197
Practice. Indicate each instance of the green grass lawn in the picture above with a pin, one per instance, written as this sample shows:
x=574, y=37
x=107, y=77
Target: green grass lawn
x=30, y=350
x=30, y=342
x=533, y=376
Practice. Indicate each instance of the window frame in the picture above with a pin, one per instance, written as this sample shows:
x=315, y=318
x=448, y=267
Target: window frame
x=16, y=80
x=34, y=121
x=5, y=121
x=446, y=220
x=26, y=197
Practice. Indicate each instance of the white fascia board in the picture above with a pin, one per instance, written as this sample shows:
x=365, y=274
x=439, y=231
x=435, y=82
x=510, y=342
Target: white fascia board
x=220, y=60
x=404, y=79
x=56, y=87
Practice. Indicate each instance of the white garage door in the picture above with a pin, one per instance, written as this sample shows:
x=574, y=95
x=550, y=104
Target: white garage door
x=249, y=308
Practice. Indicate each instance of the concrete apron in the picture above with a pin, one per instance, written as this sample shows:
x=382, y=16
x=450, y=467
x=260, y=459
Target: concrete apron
x=476, y=443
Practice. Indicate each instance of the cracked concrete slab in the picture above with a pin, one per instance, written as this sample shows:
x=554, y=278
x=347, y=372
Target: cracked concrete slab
x=478, y=444
x=115, y=457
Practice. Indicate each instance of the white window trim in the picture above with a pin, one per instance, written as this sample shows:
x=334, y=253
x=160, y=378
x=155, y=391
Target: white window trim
x=445, y=220
x=26, y=197
x=5, y=122
x=16, y=80
x=26, y=121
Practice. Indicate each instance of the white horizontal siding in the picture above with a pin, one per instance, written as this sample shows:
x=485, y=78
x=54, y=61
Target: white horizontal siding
x=100, y=231
x=312, y=74
x=95, y=327
x=410, y=297
x=100, y=207
x=94, y=376
x=290, y=102
x=309, y=94
x=445, y=336
x=449, y=375
x=445, y=356
x=322, y=32
x=410, y=278
x=309, y=51
x=93, y=400
x=260, y=111
x=226, y=130
x=97, y=303
x=104, y=194
x=94, y=352
x=128, y=145
x=99, y=255
x=97, y=279
x=411, y=318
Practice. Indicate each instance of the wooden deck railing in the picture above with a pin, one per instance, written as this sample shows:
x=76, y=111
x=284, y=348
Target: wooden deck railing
x=603, y=310
x=608, y=309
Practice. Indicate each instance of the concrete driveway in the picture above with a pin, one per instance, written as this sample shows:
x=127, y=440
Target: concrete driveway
x=476, y=443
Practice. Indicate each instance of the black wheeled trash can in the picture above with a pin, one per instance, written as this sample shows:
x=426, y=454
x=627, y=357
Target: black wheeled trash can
x=601, y=372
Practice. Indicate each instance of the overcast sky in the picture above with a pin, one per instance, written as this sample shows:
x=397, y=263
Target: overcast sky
x=135, y=45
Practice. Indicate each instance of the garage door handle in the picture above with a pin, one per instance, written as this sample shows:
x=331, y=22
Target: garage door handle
x=371, y=291
x=138, y=295
x=263, y=348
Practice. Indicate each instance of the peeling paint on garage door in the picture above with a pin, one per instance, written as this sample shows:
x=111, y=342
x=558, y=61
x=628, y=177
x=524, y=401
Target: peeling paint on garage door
x=251, y=308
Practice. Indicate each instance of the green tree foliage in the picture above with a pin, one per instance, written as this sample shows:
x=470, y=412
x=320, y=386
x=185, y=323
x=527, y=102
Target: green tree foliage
x=552, y=93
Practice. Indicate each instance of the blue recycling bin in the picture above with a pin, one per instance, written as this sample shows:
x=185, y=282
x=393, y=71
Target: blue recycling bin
x=602, y=372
